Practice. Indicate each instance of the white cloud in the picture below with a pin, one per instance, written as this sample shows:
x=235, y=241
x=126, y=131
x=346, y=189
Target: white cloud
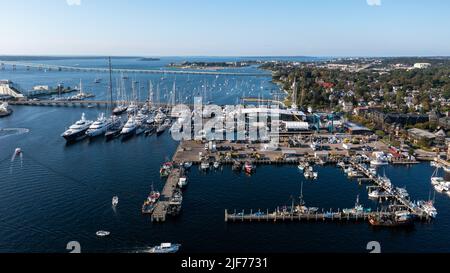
x=374, y=3
x=73, y=2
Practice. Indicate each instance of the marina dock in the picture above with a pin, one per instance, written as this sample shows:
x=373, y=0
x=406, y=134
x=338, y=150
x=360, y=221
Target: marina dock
x=417, y=211
x=258, y=216
x=161, y=209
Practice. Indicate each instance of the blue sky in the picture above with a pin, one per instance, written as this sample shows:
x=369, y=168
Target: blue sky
x=226, y=27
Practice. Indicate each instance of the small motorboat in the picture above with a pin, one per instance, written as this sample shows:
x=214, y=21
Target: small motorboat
x=205, y=166
x=216, y=165
x=182, y=182
x=165, y=248
x=315, y=175
x=115, y=201
x=103, y=233
x=187, y=165
x=248, y=167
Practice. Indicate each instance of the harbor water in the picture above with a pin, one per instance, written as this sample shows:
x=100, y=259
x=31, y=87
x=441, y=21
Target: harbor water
x=61, y=192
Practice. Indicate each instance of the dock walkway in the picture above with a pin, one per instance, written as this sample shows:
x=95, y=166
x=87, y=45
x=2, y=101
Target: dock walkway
x=419, y=212
x=161, y=209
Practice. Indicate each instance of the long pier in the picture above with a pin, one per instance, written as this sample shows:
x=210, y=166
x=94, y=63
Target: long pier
x=50, y=67
x=266, y=216
x=161, y=208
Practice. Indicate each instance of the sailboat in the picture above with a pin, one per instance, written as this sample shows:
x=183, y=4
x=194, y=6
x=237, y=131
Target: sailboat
x=121, y=107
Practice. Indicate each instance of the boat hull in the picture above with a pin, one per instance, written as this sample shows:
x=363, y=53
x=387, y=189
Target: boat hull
x=75, y=136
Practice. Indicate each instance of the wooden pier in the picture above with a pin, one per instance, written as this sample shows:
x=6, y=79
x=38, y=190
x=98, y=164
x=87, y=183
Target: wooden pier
x=161, y=208
x=266, y=216
x=417, y=211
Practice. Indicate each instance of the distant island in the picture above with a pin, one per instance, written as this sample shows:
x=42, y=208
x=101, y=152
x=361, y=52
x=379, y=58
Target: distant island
x=212, y=65
x=149, y=59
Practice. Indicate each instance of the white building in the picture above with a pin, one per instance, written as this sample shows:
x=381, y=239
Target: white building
x=9, y=89
x=422, y=65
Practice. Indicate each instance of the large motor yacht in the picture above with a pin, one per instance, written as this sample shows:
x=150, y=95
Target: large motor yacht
x=77, y=130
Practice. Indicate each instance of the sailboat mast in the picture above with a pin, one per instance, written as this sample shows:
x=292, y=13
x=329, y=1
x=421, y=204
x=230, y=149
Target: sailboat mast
x=110, y=83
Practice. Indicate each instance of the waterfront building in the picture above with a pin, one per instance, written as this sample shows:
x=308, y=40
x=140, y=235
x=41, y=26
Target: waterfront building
x=421, y=136
x=10, y=89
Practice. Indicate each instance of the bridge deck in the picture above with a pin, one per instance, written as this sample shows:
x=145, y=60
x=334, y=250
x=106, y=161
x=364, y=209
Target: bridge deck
x=142, y=71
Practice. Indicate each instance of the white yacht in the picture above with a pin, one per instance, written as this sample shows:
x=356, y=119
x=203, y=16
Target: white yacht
x=160, y=117
x=140, y=118
x=77, y=130
x=120, y=109
x=133, y=108
x=100, y=126
x=130, y=127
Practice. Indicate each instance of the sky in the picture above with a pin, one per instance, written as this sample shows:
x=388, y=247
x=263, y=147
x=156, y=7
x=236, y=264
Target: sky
x=225, y=27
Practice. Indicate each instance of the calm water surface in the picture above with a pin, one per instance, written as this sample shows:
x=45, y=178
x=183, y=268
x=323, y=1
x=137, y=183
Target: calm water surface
x=61, y=193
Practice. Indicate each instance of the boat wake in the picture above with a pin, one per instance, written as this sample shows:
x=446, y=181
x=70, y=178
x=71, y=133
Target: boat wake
x=7, y=132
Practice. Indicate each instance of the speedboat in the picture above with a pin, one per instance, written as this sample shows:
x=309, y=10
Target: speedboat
x=315, y=175
x=216, y=165
x=165, y=248
x=100, y=126
x=77, y=130
x=103, y=233
x=130, y=127
x=115, y=201
x=205, y=166
x=301, y=167
x=187, y=165
x=182, y=182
